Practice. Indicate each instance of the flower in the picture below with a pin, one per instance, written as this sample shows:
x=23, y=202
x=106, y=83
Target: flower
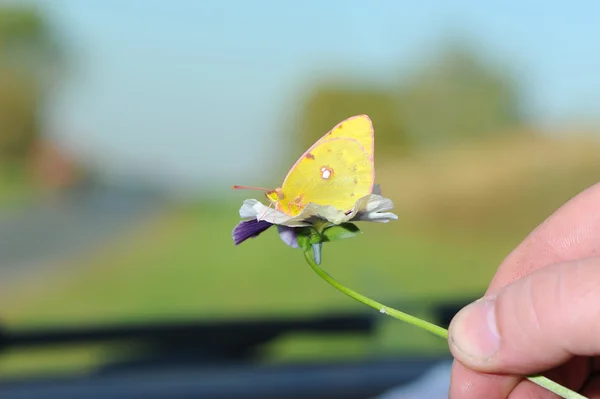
x=370, y=208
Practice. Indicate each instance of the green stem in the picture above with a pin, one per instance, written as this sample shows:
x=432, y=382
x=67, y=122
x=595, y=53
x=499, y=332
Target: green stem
x=540, y=380
x=432, y=328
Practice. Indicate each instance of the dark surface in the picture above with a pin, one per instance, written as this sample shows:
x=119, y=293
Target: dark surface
x=198, y=342
x=323, y=381
x=218, y=359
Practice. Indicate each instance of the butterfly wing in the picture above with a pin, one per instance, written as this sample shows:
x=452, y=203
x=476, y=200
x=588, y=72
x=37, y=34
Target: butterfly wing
x=337, y=170
x=359, y=128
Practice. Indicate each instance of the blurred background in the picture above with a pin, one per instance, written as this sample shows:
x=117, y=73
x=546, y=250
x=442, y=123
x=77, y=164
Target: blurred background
x=124, y=124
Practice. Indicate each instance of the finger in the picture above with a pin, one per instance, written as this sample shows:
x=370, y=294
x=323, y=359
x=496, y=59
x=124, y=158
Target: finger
x=571, y=232
x=465, y=383
x=535, y=324
x=527, y=389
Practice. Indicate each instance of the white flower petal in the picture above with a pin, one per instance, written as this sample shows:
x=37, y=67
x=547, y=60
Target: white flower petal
x=327, y=212
x=247, y=210
x=371, y=207
x=378, y=204
x=254, y=209
x=280, y=218
x=382, y=217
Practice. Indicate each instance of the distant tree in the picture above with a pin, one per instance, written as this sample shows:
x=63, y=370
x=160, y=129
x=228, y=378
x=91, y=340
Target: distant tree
x=30, y=58
x=458, y=96
x=334, y=102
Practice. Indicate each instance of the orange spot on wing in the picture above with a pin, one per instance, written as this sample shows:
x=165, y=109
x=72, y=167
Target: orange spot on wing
x=296, y=205
x=310, y=156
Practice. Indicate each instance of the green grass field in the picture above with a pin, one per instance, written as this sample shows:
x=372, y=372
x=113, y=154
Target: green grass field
x=460, y=213
x=184, y=266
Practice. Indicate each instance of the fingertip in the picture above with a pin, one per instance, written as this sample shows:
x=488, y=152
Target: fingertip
x=473, y=333
x=468, y=384
x=537, y=323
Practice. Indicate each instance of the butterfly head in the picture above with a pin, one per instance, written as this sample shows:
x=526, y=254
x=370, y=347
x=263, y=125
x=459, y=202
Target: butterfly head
x=275, y=195
x=288, y=205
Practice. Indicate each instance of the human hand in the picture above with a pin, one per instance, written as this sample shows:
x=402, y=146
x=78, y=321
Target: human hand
x=540, y=314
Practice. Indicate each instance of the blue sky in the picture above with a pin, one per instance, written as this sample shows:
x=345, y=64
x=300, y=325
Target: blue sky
x=197, y=94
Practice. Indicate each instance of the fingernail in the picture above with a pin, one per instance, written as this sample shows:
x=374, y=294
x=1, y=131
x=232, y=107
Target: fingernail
x=474, y=332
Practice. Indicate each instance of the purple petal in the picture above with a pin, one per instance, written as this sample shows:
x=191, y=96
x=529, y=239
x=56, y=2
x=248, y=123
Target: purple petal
x=288, y=235
x=249, y=229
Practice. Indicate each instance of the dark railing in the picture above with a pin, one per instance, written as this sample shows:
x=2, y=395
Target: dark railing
x=215, y=359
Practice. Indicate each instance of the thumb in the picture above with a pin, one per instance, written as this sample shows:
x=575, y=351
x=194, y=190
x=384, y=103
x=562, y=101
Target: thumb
x=534, y=324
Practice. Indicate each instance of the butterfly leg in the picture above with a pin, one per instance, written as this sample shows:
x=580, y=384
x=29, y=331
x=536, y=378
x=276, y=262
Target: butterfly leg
x=265, y=212
x=296, y=205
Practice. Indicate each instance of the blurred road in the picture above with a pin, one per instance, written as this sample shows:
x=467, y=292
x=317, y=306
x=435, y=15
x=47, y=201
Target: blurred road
x=43, y=233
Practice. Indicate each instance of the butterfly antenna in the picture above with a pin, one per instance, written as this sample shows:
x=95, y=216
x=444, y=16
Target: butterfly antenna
x=250, y=188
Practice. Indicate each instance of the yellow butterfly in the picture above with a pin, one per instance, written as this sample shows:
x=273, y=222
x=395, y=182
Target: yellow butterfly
x=337, y=170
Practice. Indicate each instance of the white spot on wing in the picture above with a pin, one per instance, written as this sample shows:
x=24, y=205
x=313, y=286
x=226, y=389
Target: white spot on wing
x=325, y=172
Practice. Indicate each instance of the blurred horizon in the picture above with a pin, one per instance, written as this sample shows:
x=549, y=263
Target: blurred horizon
x=176, y=78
